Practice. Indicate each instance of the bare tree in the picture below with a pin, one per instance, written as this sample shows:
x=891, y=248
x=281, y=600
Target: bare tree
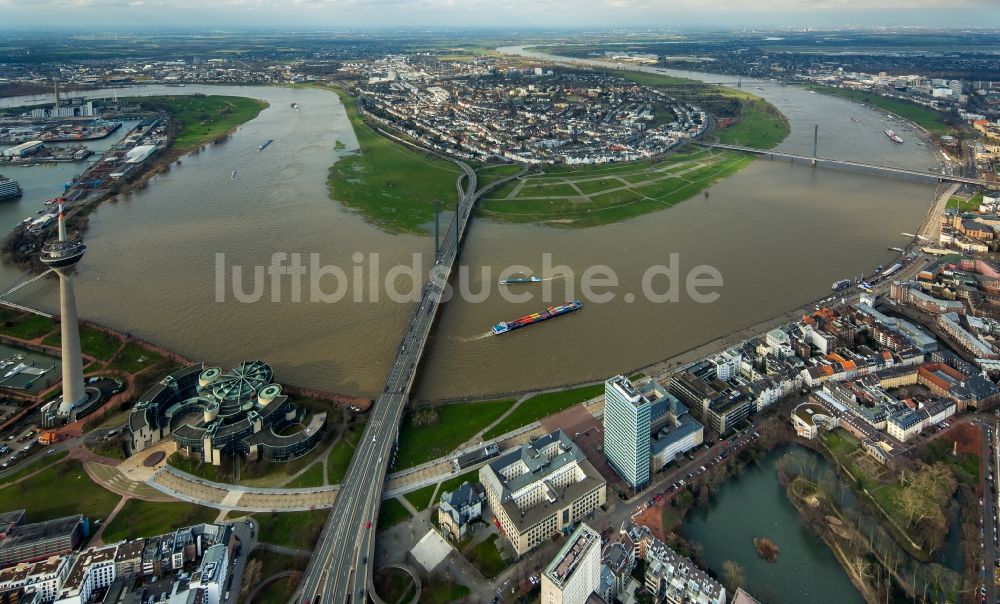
x=733, y=575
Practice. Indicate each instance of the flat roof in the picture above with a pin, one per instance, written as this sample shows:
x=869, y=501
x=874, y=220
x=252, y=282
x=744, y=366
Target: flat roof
x=40, y=531
x=576, y=547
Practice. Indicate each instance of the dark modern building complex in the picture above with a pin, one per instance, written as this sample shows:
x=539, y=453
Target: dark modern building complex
x=38, y=541
x=211, y=414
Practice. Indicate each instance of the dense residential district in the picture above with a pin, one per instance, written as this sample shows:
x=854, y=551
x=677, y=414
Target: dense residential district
x=537, y=117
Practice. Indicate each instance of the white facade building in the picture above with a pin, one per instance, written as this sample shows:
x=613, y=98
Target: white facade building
x=627, y=425
x=575, y=572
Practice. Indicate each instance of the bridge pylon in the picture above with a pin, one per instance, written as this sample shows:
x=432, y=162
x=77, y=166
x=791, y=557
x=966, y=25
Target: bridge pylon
x=815, y=143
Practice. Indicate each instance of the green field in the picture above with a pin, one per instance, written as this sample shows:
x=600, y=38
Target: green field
x=139, y=518
x=454, y=425
x=94, y=342
x=928, y=119
x=60, y=490
x=543, y=405
x=965, y=466
x=486, y=557
x=488, y=174
x=134, y=358
x=456, y=481
x=392, y=513
x=341, y=454
x=26, y=326
x=35, y=465
x=421, y=498
x=610, y=193
x=313, y=477
x=963, y=204
x=203, y=119
x=298, y=530
x=391, y=185
x=760, y=126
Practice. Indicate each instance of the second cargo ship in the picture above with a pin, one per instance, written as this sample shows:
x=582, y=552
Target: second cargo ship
x=538, y=317
x=514, y=280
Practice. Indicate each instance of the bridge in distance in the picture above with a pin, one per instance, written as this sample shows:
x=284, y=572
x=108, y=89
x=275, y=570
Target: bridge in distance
x=341, y=565
x=829, y=161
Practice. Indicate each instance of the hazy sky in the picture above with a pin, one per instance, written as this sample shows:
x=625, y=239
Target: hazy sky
x=317, y=14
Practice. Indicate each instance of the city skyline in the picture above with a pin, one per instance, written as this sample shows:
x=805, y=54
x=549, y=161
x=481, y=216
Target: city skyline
x=107, y=15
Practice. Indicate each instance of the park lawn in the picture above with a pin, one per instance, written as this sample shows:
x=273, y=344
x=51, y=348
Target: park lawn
x=139, y=518
x=456, y=481
x=341, y=453
x=391, y=185
x=27, y=326
x=601, y=184
x=36, y=464
x=63, y=489
x=202, y=118
x=966, y=205
x=421, y=498
x=94, y=342
x=313, y=477
x=841, y=443
x=456, y=424
x=660, y=190
x=298, y=530
x=282, y=590
x=965, y=466
x=392, y=513
x=543, y=405
x=134, y=358
x=486, y=557
x=928, y=119
x=486, y=175
x=533, y=188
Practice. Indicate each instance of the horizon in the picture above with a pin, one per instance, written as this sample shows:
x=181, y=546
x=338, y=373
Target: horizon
x=547, y=15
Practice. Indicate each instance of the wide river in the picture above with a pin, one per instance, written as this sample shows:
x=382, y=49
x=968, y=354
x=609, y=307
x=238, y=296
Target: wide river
x=778, y=233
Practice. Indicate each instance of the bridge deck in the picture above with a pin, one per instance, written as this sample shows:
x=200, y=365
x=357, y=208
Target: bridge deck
x=340, y=569
x=853, y=164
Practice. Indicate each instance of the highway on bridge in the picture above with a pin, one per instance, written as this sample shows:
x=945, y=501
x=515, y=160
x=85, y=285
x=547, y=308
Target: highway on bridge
x=853, y=164
x=340, y=568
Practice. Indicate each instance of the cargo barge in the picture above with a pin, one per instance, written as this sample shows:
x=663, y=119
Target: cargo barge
x=520, y=280
x=265, y=144
x=538, y=317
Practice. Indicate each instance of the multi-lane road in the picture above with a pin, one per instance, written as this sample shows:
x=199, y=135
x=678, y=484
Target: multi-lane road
x=339, y=569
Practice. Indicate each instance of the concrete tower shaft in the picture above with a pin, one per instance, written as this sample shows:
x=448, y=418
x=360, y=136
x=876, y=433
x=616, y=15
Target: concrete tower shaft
x=62, y=255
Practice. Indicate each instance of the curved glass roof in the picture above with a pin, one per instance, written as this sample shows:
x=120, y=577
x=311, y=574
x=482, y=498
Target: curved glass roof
x=242, y=383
